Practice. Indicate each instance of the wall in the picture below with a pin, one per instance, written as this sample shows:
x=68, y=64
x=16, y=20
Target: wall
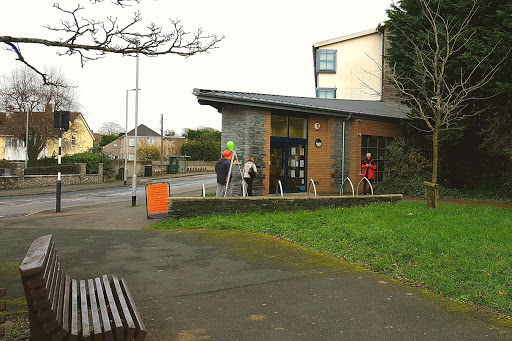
x=354, y=63
x=248, y=128
x=366, y=127
x=320, y=161
x=2, y=147
x=20, y=180
x=192, y=207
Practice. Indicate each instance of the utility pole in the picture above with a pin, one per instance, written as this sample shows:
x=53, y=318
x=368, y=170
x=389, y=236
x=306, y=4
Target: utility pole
x=26, y=140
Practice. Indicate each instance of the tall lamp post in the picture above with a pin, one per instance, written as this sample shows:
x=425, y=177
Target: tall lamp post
x=134, y=178
x=125, y=175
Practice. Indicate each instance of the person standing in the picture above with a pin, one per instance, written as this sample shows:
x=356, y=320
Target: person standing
x=222, y=170
x=250, y=172
x=369, y=166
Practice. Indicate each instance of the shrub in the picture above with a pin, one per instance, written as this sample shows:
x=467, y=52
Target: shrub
x=406, y=171
x=203, y=149
x=148, y=153
x=92, y=158
x=51, y=170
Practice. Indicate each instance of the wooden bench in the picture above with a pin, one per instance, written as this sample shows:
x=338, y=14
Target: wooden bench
x=61, y=308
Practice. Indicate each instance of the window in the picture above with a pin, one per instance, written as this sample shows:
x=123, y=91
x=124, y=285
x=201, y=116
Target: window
x=326, y=61
x=293, y=127
x=131, y=142
x=14, y=142
x=378, y=147
x=326, y=92
x=73, y=141
x=298, y=127
x=151, y=140
x=279, y=125
x=131, y=157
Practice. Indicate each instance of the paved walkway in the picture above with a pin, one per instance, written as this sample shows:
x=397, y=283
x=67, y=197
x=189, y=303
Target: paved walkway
x=212, y=285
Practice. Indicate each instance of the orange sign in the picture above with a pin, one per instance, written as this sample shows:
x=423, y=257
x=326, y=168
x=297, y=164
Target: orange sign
x=156, y=198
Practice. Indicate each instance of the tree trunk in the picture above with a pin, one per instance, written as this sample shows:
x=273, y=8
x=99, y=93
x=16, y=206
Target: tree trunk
x=435, y=155
x=432, y=194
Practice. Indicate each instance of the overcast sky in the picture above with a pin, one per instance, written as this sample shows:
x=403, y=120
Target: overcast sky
x=267, y=49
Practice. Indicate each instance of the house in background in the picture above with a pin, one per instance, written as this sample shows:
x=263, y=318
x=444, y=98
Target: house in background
x=353, y=67
x=145, y=137
x=79, y=138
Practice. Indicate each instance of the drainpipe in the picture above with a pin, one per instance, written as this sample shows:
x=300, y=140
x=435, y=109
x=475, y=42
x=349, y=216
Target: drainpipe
x=343, y=149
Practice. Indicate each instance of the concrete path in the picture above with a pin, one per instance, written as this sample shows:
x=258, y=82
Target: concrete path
x=213, y=285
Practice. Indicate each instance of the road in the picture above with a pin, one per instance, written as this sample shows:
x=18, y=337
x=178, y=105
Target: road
x=18, y=206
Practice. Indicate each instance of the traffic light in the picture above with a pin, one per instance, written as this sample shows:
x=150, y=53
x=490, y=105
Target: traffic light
x=61, y=120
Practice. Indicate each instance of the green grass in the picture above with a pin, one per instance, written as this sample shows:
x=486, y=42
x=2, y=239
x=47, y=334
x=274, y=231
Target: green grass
x=463, y=252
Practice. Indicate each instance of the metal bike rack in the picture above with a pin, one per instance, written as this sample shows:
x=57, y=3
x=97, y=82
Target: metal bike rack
x=203, y=191
x=244, y=188
x=280, y=187
x=365, y=178
x=351, y=185
x=311, y=182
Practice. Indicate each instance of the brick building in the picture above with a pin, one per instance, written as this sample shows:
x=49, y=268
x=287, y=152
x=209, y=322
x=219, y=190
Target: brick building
x=296, y=139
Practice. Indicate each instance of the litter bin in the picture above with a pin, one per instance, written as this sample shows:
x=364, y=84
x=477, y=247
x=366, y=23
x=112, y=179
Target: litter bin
x=148, y=170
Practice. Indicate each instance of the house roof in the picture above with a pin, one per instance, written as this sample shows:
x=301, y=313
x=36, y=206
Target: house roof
x=379, y=29
x=47, y=115
x=321, y=106
x=143, y=131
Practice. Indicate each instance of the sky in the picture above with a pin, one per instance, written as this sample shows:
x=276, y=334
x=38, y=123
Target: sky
x=267, y=48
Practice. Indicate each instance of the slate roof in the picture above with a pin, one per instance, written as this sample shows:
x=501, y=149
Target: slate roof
x=143, y=131
x=312, y=105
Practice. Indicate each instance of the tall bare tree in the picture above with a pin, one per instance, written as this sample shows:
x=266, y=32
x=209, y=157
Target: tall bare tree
x=432, y=81
x=108, y=128
x=94, y=38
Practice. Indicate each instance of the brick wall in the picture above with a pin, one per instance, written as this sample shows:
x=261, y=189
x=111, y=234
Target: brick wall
x=320, y=160
x=191, y=207
x=365, y=127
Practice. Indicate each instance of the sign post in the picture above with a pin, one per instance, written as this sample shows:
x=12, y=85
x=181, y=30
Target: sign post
x=156, y=200
x=60, y=121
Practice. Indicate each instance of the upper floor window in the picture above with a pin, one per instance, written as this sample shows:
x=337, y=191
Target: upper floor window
x=73, y=141
x=151, y=140
x=326, y=60
x=14, y=142
x=131, y=142
x=326, y=92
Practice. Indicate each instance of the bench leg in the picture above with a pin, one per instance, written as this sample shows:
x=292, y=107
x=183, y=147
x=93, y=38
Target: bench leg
x=36, y=327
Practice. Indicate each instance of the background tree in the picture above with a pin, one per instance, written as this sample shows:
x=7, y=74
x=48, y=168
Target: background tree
x=22, y=90
x=111, y=128
x=106, y=139
x=432, y=66
x=92, y=38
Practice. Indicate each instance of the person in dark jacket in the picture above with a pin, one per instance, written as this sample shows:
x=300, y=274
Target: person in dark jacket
x=368, y=166
x=222, y=170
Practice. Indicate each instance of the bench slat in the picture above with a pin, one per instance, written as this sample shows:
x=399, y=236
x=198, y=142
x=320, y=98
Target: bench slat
x=49, y=264
x=66, y=306
x=74, y=311
x=86, y=332
x=94, y=311
x=113, y=309
x=141, y=331
x=53, y=282
x=125, y=310
x=107, y=329
x=36, y=256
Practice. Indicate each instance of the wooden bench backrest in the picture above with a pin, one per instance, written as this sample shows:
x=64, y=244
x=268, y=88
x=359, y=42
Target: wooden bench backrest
x=65, y=307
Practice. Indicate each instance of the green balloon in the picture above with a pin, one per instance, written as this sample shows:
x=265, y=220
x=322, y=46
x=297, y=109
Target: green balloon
x=230, y=145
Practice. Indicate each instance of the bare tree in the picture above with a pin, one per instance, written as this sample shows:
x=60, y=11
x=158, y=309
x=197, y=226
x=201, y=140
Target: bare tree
x=94, y=38
x=111, y=128
x=23, y=90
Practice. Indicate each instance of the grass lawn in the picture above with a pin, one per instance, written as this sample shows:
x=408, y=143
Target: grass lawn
x=463, y=252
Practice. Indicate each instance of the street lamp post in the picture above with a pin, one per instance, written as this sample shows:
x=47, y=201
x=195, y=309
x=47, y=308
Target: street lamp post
x=134, y=178
x=125, y=175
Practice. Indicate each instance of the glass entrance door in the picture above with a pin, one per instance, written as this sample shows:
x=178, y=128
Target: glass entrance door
x=288, y=165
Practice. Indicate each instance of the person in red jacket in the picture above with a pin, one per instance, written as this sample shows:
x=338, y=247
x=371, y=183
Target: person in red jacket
x=369, y=166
